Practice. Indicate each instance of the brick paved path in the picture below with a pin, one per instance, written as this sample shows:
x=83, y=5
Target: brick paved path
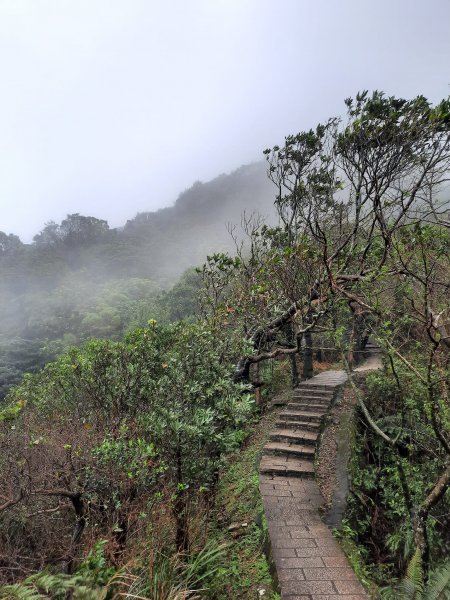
x=310, y=563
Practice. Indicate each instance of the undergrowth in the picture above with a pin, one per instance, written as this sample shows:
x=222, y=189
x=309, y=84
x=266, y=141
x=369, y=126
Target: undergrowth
x=229, y=560
x=377, y=533
x=239, y=522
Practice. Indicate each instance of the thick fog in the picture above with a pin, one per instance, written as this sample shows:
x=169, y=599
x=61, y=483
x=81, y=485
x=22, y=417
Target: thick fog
x=81, y=278
x=110, y=107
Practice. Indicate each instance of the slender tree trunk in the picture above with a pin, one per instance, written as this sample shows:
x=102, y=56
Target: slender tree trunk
x=420, y=525
x=257, y=386
x=180, y=509
x=78, y=529
x=308, y=370
x=290, y=335
x=242, y=373
x=358, y=337
x=351, y=342
x=294, y=370
x=121, y=535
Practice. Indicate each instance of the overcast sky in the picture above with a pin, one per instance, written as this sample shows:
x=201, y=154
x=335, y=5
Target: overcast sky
x=110, y=107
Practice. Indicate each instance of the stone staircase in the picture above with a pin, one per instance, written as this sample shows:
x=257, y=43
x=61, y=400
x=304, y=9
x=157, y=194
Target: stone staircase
x=309, y=563
x=291, y=448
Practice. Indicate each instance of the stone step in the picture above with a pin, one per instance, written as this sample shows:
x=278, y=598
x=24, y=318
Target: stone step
x=291, y=436
x=297, y=417
x=312, y=399
x=299, y=425
x=310, y=391
x=312, y=394
x=320, y=387
x=299, y=450
x=308, y=407
x=308, y=397
x=326, y=386
x=278, y=402
x=306, y=415
x=286, y=466
x=324, y=379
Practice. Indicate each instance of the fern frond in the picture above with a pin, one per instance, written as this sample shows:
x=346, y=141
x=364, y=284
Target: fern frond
x=414, y=572
x=411, y=587
x=19, y=592
x=406, y=590
x=438, y=587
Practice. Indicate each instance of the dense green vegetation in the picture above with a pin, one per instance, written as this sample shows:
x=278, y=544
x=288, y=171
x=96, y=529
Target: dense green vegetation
x=123, y=442
x=389, y=483
x=127, y=424
x=120, y=447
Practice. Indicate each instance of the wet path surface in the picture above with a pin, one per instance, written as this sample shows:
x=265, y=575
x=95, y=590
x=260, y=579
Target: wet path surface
x=309, y=562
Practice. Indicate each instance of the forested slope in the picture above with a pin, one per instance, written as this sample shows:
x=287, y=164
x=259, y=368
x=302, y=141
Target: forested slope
x=81, y=279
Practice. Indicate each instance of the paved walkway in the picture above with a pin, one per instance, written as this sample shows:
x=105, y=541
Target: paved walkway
x=310, y=563
x=373, y=360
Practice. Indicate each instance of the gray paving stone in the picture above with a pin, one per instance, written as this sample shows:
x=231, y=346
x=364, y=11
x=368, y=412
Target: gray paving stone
x=329, y=574
x=290, y=543
x=292, y=514
x=327, y=542
x=336, y=597
x=334, y=561
x=349, y=587
x=277, y=493
x=288, y=575
x=297, y=503
x=283, y=553
x=300, y=563
x=291, y=589
x=325, y=552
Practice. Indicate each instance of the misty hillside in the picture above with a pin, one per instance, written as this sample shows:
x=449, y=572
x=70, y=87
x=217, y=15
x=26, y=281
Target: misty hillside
x=81, y=279
x=181, y=236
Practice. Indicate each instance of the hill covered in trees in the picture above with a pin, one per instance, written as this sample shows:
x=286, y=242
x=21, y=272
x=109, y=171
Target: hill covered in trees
x=81, y=279
x=113, y=454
